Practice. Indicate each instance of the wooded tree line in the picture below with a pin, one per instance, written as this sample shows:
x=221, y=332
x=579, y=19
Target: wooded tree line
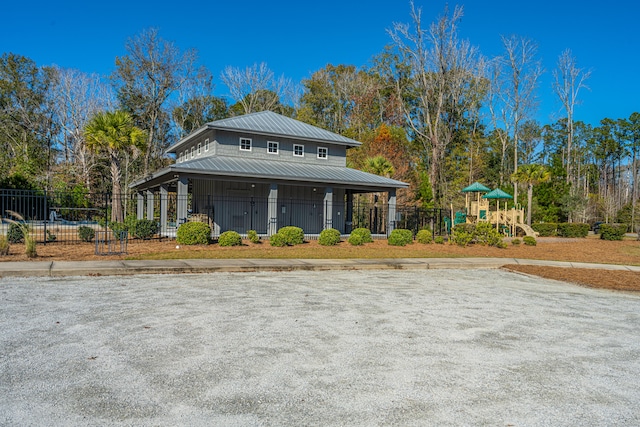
x=430, y=110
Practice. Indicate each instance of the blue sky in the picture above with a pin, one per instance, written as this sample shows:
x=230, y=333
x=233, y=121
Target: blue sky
x=297, y=38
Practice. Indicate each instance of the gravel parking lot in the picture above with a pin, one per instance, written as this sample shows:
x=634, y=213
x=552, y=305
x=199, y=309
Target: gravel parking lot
x=433, y=347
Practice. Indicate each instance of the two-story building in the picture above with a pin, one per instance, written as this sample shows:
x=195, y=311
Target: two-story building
x=260, y=171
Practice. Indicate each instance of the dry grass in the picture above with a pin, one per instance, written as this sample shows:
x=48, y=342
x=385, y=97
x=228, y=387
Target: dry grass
x=590, y=249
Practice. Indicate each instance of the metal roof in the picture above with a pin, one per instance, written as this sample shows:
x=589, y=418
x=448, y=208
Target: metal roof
x=276, y=170
x=273, y=124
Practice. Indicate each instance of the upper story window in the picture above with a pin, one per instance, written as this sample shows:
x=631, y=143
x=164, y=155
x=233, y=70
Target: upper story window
x=323, y=152
x=199, y=148
x=206, y=144
x=245, y=144
x=272, y=147
x=298, y=150
x=180, y=158
x=193, y=152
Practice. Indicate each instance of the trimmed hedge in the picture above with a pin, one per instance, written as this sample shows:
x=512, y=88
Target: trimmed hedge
x=545, y=229
x=424, y=236
x=612, y=231
x=573, y=229
x=277, y=240
x=253, y=237
x=439, y=240
x=329, y=237
x=230, y=238
x=292, y=235
x=193, y=233
x=15, y=234
x=86, y=234
x=400, y=237
x=529, y=241
x=145, y=229
x=355, y=239
x=364, y=234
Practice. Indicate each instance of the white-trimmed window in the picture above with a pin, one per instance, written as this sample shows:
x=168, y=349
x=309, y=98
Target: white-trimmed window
x=323, y=152
x=245, y=144
x=193, y=152
x=206, y=144
x=298, y=150
x=272, y=147
x=180, y=158
x=199, y=148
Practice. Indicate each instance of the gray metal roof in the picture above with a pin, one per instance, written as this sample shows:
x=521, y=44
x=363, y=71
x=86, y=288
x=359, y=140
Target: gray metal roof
x=277, y=170
x=273, y=124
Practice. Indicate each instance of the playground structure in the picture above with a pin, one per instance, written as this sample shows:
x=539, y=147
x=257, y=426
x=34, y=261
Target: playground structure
x=477, y=209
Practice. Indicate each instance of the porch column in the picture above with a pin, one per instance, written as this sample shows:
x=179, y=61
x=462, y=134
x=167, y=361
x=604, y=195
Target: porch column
x=181, y=200
x=150, y=204
x=140, y=205
x=164, y=196
x=272, y=226
x=328, y=208
x=391, y=202
x=348, y=225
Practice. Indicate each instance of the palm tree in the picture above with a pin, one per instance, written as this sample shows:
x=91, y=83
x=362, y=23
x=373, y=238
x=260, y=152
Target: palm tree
x=532, y=175
x=114, y=133
x=379, y=165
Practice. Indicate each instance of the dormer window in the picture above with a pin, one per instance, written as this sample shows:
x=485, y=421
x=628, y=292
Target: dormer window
x=193, y=152
x=298, y=150
x=199, y=148
x=245, y=144
x=272, y=147
x=206, y=145
x=323, y=152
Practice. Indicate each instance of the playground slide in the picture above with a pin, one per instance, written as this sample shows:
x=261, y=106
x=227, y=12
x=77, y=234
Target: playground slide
x=528, y=230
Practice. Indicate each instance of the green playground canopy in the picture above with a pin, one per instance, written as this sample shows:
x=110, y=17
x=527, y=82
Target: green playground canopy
x=476, y=187
x=497, y=194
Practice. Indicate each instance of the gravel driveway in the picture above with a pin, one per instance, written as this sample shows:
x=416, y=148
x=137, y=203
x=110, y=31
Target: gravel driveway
x=435, y=347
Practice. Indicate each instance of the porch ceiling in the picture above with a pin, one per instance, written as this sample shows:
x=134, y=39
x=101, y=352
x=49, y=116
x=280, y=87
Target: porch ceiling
x=273, y=171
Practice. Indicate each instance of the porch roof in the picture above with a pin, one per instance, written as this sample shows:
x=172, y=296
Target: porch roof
x=238, y=167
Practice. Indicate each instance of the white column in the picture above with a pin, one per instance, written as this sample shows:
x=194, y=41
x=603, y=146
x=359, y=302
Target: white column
x=150, y=204
x=181, y=200
x=164, y=196
x=328, y=208
x=391, y=203
x=272, y=227
x=140, y=206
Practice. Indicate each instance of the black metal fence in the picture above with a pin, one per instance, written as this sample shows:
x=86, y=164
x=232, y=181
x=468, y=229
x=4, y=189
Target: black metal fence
x=57, y=217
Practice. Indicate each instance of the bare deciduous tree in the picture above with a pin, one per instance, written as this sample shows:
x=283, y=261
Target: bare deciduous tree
x=256, y=88
x=76, y=97
x=441, y=86
x=568, y=80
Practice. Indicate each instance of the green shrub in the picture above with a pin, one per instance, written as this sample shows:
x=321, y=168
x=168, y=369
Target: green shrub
x=529, y=240
x=193, y=233
x=292, y=235
x=545, y=229
x=439, y=240
x=253, y=237
x=612, y=231
x=15, y=234
x=329, y=237
x=355, y=239
x=515, y=241
x=277, y=240
x=120, y=230
x=85, y=233
x=230, y=238
x=424, y=236
x=461, y=238
x=51, y=237
x=486, y=234
x=364, y=233
x=571, y=229
x=130, y=224
x=4, y=245
x=145, y=228
x=400, y=237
